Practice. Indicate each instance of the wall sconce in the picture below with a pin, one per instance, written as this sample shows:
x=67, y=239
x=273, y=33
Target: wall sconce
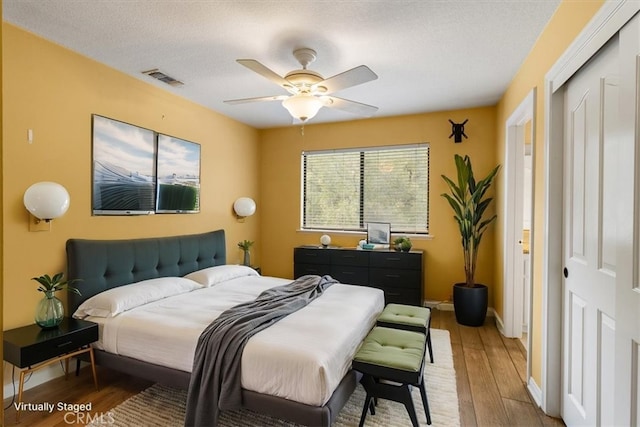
x=45, y=201
x=244, y=207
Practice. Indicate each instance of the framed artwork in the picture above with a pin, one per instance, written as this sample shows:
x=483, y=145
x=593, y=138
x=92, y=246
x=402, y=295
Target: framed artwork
x=124, y=168
x=378, y=232
x=178, y=175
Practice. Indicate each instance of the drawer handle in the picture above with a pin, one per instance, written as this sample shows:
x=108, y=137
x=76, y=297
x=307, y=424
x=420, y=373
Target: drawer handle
x=393, y=259
x=348, y=256
x=64, y=344
x=346, y=272
x=393, y=276
x=395, y=294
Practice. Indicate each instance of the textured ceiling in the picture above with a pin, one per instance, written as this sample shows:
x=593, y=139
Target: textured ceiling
x=428, y=55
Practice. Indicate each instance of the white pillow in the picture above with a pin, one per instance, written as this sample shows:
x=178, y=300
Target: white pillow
x=117, y=300
x=211, y=276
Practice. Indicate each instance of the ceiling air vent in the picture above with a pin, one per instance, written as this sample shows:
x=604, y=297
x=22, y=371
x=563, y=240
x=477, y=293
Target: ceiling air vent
x=159, y=75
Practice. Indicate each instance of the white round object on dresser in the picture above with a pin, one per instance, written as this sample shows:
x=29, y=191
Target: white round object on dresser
x=325, y=240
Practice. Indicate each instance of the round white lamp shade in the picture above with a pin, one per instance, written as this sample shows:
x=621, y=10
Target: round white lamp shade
x=325, y=240
x=46, y=200
x=302, y=106
x=244, y=206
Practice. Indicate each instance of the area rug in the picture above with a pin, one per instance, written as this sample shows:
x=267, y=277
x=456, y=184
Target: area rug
x=160, y=406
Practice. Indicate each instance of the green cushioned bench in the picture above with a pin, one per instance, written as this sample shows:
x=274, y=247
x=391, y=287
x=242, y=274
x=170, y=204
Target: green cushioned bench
x=410, y=318
x=394, y=355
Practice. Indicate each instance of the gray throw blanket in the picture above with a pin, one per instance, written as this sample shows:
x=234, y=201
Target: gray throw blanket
x=215, y=378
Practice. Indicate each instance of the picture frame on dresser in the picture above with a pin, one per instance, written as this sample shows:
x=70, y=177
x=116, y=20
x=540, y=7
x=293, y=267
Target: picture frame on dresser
x=378, y=233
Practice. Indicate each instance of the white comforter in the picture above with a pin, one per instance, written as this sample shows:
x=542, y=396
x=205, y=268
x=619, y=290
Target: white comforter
x=302, y=357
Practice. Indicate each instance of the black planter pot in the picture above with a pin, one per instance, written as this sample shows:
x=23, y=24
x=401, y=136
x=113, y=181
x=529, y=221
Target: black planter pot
x=470, y=304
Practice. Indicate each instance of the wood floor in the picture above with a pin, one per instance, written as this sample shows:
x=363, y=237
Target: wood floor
x=490, y=373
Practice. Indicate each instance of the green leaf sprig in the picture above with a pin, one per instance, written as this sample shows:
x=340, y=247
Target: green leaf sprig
x=245, y=245
x=55, y=283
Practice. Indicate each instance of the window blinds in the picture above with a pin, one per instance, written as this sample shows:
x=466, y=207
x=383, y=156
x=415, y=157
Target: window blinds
x=346, y=189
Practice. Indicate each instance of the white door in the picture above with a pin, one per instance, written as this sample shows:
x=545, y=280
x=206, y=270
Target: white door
x=627, y=367
x=589, y=250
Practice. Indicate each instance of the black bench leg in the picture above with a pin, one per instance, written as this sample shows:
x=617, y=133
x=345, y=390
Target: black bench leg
x=365, y=409
x=407, y=401
x=425, y=402
x=429, y=346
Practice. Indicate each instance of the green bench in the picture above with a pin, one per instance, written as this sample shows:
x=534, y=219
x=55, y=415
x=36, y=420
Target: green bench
x=410, y=318
x=391, y=362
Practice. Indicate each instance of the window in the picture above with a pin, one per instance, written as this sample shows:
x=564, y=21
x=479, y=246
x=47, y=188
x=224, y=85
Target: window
x=345, y=189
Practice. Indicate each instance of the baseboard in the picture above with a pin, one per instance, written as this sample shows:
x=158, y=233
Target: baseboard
x=448, y=306
x=535, y=391
x=499, y=324
x=440, y=305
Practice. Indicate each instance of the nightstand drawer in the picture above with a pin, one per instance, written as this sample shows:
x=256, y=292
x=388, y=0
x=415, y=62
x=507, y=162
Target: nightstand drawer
x=31, y=345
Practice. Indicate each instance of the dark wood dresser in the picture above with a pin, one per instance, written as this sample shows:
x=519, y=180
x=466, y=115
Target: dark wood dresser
x=398, y=274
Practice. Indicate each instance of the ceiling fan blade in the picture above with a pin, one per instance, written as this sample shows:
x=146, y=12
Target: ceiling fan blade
x=258, y=99
x=349, y=78
x=354, y=107
x=257, y=67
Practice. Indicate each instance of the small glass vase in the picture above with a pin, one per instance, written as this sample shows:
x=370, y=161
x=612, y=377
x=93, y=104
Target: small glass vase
x=247, y=259
x=49, y=311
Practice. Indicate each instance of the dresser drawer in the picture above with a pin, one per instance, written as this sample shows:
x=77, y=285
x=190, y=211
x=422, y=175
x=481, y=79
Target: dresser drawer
x=386, y=277
x=315, y=269
x=312, y=256
x=405, y=260
x=355, y=258
x=350, y=275
x=402, y=296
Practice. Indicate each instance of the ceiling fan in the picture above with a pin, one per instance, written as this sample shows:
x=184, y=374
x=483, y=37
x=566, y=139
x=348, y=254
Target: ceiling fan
x=309, y=91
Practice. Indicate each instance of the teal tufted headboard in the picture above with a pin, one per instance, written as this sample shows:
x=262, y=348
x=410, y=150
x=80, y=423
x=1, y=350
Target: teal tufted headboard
x=106, y=264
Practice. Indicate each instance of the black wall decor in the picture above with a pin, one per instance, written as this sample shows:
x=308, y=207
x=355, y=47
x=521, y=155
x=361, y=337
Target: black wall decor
x=457, y=130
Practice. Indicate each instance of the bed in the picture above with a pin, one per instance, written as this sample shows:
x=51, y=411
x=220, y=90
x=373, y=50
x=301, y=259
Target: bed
x=304, y=393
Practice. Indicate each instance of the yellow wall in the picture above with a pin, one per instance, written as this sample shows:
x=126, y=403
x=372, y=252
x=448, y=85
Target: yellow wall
x=54, y=92
x=570, y=18
x=280, y=151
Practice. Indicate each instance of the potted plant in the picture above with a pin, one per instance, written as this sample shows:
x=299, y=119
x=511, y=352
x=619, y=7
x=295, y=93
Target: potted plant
x=50, y=311
x=245, y=245
x=402, y=244
x=469, y=202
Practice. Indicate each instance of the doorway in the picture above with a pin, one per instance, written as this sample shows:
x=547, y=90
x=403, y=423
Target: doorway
x=518, y=248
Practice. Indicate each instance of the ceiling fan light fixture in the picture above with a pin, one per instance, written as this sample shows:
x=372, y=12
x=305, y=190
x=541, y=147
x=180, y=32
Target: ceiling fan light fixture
x=302, y=106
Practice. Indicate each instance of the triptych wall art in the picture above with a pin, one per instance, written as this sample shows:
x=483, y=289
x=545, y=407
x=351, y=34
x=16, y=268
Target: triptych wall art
x=137, y=171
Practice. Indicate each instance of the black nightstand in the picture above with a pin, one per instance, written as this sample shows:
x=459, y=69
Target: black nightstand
x=32, y=347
